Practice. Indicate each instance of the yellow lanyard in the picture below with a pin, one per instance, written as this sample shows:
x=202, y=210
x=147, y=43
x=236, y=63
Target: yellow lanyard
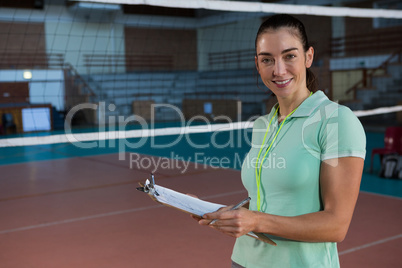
x=258, y=166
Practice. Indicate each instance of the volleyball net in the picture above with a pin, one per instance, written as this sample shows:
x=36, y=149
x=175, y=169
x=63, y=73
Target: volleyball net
x=97, y=74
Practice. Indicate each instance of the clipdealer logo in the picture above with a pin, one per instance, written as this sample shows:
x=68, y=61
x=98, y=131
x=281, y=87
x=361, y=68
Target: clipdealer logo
x=201, y=161
x=114, y=130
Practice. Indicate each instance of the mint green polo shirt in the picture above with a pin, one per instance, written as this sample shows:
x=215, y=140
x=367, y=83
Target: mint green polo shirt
x=318, y=130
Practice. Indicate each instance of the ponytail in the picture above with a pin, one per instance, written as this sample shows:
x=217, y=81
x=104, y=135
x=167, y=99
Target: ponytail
x=311, y=81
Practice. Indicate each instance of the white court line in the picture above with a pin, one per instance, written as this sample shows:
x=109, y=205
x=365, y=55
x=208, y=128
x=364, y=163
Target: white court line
x=77, y=219
x=370, y=244
x=104, y=215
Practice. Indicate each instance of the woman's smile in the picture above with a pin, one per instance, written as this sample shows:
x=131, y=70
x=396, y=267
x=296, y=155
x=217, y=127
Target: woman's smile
x=282, y=83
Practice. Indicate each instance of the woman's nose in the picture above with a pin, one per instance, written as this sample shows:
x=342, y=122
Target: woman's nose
x=279, y=68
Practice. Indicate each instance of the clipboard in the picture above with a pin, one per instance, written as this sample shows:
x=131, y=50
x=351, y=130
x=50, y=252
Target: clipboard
x=186, y=203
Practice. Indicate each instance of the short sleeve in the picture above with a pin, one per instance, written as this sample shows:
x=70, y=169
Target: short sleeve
x=342, y=134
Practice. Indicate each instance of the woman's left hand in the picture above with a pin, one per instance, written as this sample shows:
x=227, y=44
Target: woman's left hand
x=234, y=223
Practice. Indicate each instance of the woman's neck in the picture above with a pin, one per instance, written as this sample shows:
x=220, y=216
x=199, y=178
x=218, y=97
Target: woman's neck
x=286, y=106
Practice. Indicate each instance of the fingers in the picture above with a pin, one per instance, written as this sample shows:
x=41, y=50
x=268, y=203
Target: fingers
x=195, y=217
x=231, y=222
x=209, y=218
x=219, y=216
x=229, y=227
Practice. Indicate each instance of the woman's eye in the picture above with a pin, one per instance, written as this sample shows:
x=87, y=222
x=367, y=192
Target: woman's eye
x=267, y=61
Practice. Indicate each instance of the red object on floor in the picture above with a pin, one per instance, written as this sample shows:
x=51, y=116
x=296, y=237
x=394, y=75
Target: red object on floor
x=393, y=144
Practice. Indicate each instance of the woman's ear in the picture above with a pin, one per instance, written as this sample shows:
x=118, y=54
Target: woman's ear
x=256, y=64
x=309, y=57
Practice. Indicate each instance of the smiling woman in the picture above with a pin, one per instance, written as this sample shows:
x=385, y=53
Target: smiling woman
x=306, y=206
x=282, y=59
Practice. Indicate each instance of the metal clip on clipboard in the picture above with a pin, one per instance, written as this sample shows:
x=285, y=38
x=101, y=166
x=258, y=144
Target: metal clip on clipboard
x=149, y=187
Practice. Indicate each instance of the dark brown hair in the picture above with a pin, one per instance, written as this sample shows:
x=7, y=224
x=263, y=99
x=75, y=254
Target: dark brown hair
x=297, y=28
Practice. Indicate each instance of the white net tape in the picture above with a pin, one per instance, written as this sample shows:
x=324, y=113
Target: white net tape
x=141, y=133
x=261, y=7
x=382, y=110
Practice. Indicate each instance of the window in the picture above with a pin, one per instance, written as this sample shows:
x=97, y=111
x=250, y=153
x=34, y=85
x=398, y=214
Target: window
x=36, y=119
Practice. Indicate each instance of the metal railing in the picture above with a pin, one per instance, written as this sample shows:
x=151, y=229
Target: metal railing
x=26, y=60
x=366, y=81
x=72, y=72
x=366, y=44
x=236, y=57
x=130, y=61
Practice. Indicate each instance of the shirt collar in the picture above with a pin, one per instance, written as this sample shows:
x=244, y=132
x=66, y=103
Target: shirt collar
x=308, y=106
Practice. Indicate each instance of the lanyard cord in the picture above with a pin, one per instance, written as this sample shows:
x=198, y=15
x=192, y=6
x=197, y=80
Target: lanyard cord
x=258, y=167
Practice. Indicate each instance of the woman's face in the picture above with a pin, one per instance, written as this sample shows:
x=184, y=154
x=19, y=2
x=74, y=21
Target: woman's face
x=282, y=62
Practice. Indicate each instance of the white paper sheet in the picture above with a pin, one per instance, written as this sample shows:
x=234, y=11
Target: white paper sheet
x=184, y=202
